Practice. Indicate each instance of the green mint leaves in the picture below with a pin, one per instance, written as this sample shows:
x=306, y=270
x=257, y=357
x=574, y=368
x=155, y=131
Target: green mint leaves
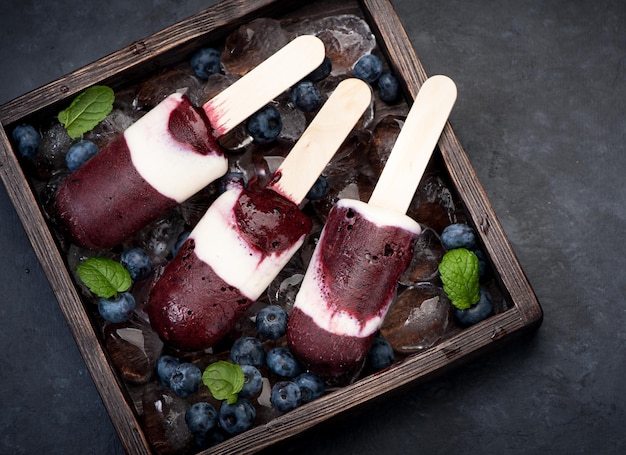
x=224, y=380
x=104, y=277
x=459, y=273
x=87, y=110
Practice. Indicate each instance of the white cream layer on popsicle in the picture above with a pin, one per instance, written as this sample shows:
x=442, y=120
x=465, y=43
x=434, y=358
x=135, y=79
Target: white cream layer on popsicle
x=220, y=245
x=310, y=299
x=161, y=160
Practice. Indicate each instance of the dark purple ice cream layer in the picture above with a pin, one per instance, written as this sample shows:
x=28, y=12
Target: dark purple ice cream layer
x=360, y=263
x=106, y=201
x=186, y=304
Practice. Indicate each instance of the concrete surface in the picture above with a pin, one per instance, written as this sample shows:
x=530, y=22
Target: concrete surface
x=542, y=90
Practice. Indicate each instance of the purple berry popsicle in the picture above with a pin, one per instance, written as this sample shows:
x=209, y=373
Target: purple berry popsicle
x=247, y=236
x=364, y=248
x=171, y=153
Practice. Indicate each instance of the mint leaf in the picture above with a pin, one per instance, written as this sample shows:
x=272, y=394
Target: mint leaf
x=224, y=380
x=459, y=273
x=104, y=277
x=87, y=110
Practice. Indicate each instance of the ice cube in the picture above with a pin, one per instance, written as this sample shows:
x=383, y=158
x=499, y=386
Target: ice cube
x=421, y=317
x=172, y=80
x=114, y=124
x=346, y=38
x=159, y=237
x=55, y=142
x=133, y=348
x=427, y=255
x=385, y=134
x=164, y=420
x=251, y=44
x=434, y=203
x=283, y=289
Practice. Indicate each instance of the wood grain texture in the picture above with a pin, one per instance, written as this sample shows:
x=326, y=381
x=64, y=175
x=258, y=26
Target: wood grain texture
x=173, y=44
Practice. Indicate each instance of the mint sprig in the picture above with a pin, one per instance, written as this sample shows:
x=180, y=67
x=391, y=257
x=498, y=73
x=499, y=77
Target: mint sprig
x=459, y=273
x=104, y=277
x=87, y=110
x=224, y=380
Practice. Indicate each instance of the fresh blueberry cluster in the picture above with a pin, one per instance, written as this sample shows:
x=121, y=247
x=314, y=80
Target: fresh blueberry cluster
x=292, y=388
x=183, y=378
x=121, y=306
x=266, y=124
x=459, y=235
x=370, y=69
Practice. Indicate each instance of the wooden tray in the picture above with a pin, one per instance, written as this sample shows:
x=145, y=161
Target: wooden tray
x=174, y=44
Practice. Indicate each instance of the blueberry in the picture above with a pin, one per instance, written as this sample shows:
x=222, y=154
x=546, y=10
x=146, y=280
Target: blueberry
x=388, y=87
x=285, y=396
x=117, y=309
x=137, y=263
x=206, y=61
x=458, y=235
x=368, y=68
x=27, y=140
x=321, y=72
x=306, y=97
x=79, y=154
x=238, y=417
x=311, y=386
x=477, y=312
x=281, y=361
x=265, y=124
x=201, y=418
x=271, y=322
x=165, y=367
x=185, y=380
x=248, y=351
x=482, y=263
x=253, y=382
x=319, y=189
x=380, y=354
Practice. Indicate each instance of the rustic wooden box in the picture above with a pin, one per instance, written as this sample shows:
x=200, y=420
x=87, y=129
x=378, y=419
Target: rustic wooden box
x=173, y=44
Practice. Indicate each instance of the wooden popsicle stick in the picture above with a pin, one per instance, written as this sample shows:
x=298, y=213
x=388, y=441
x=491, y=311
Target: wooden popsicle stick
x=269, y=79
x=415, y=144
x=322, y=138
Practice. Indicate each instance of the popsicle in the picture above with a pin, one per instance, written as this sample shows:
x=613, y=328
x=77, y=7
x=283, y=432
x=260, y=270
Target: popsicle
x=248, y=235
x=171, y=153
x=364, y=247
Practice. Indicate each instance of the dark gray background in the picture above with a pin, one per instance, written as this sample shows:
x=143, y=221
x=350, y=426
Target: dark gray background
x=540, y=112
